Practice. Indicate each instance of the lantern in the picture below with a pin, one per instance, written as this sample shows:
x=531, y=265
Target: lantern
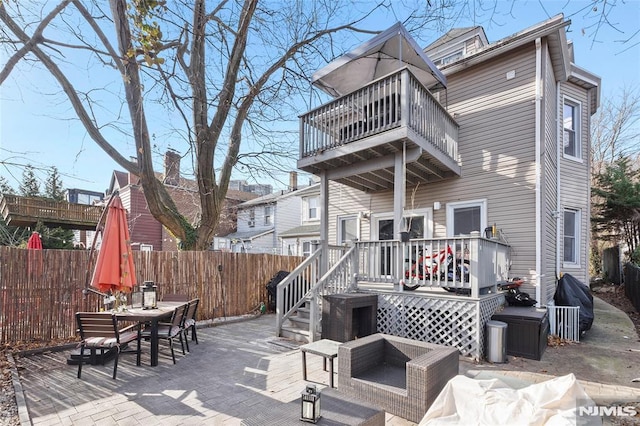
x=149, y=295
x=310, y=408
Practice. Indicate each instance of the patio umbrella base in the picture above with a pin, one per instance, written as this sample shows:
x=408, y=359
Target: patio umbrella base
x=91, y=356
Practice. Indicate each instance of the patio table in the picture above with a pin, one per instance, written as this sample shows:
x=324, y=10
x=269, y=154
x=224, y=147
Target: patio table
x=153, y=317
x=327, y=349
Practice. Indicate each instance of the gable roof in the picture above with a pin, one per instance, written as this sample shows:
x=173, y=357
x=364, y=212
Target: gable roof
x=561, y=56
x=453, y=34
x=388, y=52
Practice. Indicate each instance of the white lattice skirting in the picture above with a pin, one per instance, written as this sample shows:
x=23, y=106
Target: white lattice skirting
x=451, y=321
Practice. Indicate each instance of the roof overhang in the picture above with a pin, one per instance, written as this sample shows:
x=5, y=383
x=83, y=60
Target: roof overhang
x=589, y=81
x=553, y=29
x=384, y=54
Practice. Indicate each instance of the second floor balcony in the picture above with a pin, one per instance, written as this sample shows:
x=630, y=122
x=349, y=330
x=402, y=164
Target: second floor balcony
x=357, y=137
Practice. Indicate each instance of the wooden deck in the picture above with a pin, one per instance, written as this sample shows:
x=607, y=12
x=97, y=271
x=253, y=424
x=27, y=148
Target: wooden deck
x=27, y=211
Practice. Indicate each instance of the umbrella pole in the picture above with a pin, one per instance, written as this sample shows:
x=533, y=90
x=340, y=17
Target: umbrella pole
x=99, y=229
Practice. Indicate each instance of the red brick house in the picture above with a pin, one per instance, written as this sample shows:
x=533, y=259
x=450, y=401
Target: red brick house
x=146, y=232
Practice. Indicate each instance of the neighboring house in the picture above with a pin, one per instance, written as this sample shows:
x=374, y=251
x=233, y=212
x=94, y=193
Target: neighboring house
x=495, y=134
x=282, y=223
x=146, y=232
x=83, y=238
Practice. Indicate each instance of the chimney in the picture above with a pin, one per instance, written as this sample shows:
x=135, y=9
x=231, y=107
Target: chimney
x=171, y=168
x=293, y=181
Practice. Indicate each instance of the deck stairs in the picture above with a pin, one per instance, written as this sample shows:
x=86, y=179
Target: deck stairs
x=296, y=327
x=299, y=296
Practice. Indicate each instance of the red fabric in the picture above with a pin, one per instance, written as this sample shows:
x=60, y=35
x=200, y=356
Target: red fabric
x=34, y=243
x=114, y=266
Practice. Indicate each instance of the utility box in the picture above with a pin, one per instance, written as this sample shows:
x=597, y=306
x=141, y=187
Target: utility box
x=528, y=331
x=496, y=338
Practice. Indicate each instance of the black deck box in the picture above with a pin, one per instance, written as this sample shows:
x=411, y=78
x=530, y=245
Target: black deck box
x=527, y=331
x=348, y=316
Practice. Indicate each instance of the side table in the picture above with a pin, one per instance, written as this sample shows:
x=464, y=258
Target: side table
x=327, y=349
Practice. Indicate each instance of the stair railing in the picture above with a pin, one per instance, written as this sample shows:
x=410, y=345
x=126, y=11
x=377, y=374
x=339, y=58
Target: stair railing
x=291, y=291
x=340, y=278
x=302, y=284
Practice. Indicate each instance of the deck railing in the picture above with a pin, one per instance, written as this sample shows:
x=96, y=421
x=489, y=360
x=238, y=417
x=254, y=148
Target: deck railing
x=390, y=102
x=463, y=265
x=47, y=210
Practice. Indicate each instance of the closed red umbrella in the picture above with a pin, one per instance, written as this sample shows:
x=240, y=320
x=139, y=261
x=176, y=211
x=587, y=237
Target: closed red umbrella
x=114, y=270
x=34, y=242
x=34, y=258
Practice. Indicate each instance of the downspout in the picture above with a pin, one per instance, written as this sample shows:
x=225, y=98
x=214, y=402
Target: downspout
x=558, y=212
x=538, y=136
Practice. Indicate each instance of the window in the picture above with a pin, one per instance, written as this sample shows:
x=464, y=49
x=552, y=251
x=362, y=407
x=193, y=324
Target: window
x=306, y=248
x=252, y=218
x=347, y=229
x=571, y=237
x=451, y=58
x=571, y=124
x=268, y=215
x=466, y=217
x=312, y=211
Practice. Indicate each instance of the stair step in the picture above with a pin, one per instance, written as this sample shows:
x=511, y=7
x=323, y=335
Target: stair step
x=296, y=334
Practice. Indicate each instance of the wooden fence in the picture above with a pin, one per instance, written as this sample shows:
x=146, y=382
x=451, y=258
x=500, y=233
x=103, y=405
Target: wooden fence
x=40, y=290
x=632, y=284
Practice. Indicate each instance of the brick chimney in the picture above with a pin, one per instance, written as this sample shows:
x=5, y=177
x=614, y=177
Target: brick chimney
x=171, y=168
x=293, y=181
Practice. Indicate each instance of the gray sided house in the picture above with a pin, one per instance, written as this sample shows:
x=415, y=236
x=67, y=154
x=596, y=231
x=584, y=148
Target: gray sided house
x=477, y=152
x=285, y=223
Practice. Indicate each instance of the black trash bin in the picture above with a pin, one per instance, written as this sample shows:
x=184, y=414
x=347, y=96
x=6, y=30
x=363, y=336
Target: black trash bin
x=272, y=289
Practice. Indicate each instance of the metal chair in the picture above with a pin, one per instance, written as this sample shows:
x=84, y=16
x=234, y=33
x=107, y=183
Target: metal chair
x=171, y=330
x=99, y=331
x=190, y=322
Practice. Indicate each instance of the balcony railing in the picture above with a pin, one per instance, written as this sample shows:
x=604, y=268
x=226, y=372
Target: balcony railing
x=397, y=100
x=463, y=265
x=26, y=211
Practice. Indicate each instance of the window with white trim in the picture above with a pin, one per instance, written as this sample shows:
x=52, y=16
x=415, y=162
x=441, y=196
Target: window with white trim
x=347, y=229
x=465, y=217
x=268, y=215
x=571, y=125
x=571, y=237
x=252, y=218
x=306, y=248
x=311, y=208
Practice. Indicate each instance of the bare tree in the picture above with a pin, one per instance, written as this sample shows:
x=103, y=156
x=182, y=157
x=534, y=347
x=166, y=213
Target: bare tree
x=615, y=129
x=222, y=73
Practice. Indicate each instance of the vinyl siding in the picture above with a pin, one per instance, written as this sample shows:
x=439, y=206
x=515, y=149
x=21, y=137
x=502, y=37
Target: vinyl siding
x=549, y=217
x=575, y=177
x=497, y=150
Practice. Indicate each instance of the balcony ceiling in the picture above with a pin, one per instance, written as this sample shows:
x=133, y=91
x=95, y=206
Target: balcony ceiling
x=384, y=54
x=372, y=169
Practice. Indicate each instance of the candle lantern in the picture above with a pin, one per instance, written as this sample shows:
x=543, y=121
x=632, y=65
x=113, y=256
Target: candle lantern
x=310, y=408
x=149, y=295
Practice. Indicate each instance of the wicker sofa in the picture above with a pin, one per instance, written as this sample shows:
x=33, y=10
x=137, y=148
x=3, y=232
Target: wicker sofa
x=402, y=376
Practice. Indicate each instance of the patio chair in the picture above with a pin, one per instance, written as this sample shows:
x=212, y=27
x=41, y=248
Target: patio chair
x=190, y=321
x=400, y=375
x=99, y=332
x=171, y=330
x=175, y=297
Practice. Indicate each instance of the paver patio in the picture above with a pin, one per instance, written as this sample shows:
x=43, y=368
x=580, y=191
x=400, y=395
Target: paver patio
x=235, y=372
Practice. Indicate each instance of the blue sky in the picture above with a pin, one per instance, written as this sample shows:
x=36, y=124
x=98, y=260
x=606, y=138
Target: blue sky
x=38, y=126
